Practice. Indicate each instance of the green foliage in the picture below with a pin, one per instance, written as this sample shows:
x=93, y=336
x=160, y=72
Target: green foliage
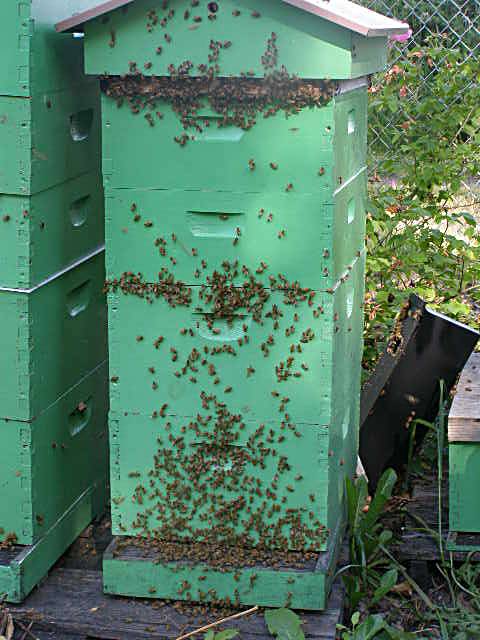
x=373, y=627
x=418, y=237
x=451, y=610
x=366, y=576
x=424, y=18
x=284, y=624
x=227, y=634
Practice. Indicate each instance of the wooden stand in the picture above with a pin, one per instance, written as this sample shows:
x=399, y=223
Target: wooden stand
x=133, y=570
x=71, y=605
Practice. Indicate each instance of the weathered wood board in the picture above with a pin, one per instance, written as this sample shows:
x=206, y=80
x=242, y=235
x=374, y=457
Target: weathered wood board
x=464, y=418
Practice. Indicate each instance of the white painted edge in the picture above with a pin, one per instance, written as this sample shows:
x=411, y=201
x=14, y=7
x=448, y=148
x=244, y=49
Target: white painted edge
x=59, y=274
x=345, y=86
x=350, y=180
x=352, y=16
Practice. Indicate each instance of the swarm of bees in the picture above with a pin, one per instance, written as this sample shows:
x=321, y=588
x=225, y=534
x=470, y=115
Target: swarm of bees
x=7, y=541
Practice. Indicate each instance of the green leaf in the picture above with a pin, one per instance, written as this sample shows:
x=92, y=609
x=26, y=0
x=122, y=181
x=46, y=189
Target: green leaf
x=370, y=627
x=227, y=634
x=387, y=582
x=382, y=495
x=284, y=624
x=397, y=634
x=356, y=497
x=355, y=618
x=469, y=218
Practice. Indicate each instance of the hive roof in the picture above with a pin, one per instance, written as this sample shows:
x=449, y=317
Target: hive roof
x=344, y=13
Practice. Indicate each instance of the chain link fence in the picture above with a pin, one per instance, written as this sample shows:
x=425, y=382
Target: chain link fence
x=458, y=24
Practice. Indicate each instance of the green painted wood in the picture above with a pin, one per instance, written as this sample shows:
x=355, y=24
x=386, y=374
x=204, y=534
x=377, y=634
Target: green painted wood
x=137, y=573
x=464, y=502
x=330, y=140
x=368, y=54
x=325, y=398
x=219, y=159
x=46, y=464
x=133, y=390
x=463, y=543
x=206, y=226
x=42, y=234
x=48, y=139
x=132, y=318
x=346, y=385
x=348, y=237
x=51, y=337
x=133, y=466
x=22, y=572
x=309, y=47
x=350, y=141
x=35, y=58
x=16, y=35
x=201, y=193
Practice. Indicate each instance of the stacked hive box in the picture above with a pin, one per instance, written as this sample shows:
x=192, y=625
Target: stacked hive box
x=53, y=392
x=464, y=460
x=235, y=257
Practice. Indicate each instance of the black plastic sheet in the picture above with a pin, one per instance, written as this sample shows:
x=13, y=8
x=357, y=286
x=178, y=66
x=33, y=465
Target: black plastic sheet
x=425, y=348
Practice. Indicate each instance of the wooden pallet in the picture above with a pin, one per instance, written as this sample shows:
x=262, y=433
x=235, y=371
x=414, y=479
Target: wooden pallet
x=71, y=605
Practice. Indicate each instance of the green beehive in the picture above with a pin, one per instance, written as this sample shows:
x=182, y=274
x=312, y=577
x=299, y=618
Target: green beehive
x=52, y=307
x=43, y=234
x=48, y=139
x=464, y=460
x=53, y=472
x=53, y=399
x=52, y=336
x=35, y=59
x=234, y=153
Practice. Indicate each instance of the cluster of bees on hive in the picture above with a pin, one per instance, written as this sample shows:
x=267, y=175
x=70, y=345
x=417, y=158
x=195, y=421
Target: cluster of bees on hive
x=217, y=493
x=239, y=101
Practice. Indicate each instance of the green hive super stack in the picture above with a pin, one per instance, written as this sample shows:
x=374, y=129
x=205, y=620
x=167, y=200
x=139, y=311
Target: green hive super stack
x=53, y=396
x=235, y=221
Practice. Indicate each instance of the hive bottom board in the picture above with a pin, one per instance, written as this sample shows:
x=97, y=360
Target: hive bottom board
x=133, y=570
x=463, y=542
x=22, y=568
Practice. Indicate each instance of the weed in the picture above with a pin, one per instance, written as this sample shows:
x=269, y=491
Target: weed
x=366, y=534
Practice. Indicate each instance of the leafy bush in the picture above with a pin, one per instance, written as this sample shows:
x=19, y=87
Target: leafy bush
x=418, y=237
x=450, y=16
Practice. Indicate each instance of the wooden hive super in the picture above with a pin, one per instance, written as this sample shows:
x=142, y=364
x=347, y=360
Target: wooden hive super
x=53, y=397
x=464, y=460
x=234, y=153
